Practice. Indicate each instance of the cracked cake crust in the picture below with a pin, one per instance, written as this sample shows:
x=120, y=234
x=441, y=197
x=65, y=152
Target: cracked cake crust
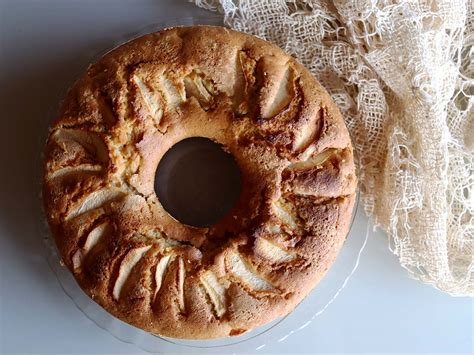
x=285, y=133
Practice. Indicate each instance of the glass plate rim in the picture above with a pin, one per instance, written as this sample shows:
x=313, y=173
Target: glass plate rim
x=53, y=258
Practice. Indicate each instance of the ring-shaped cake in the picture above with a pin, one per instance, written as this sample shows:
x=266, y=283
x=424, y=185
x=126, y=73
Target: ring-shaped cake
x=297, y=172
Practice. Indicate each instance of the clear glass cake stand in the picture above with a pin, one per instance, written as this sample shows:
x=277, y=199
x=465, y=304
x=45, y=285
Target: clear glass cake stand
x=256, y=340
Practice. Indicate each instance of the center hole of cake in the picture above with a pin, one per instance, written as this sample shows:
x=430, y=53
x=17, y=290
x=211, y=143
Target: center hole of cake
x=197, y=182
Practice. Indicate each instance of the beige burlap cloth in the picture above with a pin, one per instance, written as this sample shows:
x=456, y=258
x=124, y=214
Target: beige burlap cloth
x=402, y=73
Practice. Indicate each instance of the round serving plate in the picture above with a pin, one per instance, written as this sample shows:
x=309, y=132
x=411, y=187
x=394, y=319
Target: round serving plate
x=277, y=331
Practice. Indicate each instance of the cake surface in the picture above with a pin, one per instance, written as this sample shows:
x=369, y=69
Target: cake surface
x=287, y=137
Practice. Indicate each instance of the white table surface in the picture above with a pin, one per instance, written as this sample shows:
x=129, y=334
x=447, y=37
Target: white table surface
x=44, y=44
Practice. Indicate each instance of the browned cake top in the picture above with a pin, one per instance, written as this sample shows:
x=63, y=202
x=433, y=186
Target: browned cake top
x=297, y=171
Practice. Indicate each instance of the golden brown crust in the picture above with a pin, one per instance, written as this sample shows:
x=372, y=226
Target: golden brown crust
x=285, y=133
